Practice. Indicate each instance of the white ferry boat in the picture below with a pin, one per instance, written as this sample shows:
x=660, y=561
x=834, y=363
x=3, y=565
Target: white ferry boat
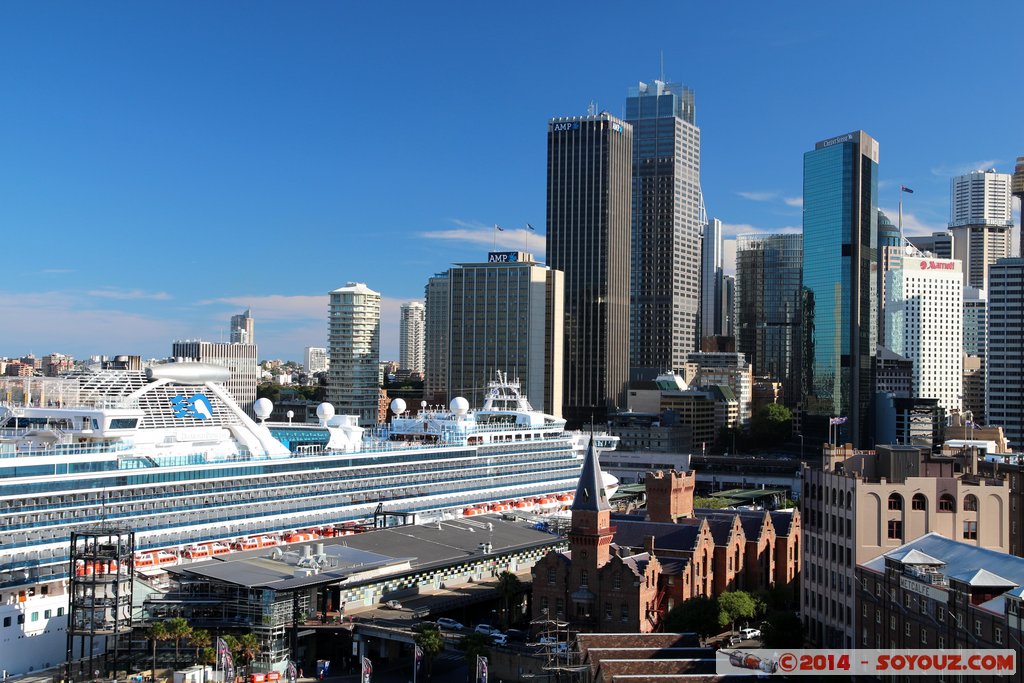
x=167, y=453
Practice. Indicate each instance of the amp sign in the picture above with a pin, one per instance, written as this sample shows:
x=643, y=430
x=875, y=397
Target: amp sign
x=503, y=257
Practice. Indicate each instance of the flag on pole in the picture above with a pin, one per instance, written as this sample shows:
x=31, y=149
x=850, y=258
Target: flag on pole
x=499, y=228
x=530, y=227
x=837, y=420
x=481, y=669
x=291, y=671
x=418, y=655
x=367, y=669
x=904, y=188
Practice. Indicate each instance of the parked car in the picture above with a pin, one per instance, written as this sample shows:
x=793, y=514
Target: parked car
x=750, y=633
x=393, y=604
x=487, y=630
x=451, y=624
x=516, y=635
x=499, y=639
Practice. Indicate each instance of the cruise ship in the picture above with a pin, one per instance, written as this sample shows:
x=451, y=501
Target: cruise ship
x=167, y=453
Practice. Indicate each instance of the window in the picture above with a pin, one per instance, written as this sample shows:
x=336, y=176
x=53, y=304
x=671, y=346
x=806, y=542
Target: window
x=970, y=503
x=970, y=531
x=998, y=636
x=47, y=613
x=559, y=608
x=878, y=616
x=946, y=503
x=892, y=622
x=1011, y=606
x=918, y=502
x=543, y=603
x=551, y=577
x=895, y=501
x=895, y=528
x=940, y=613
x=906, y=599
x=21, y=618
x=60, y=611
x=584, y=578
x=942, y=642
x=35, y=616
x=7, y=622
x=864, y=636
x=616, y=581
x=608, y=612
x=624, y=612
x=977, y=627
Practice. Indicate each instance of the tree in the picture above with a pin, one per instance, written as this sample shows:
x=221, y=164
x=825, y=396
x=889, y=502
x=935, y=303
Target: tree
x=783, y=630
x=207, y=656
x=708, y=502
x=431, y=642
x=475, y=644
x=177, y=628
x=772, y=425
x=248, y=649
x=697, y=615
x=509, y=588
x=736, y=605
x=200, y=639
x=154, y=634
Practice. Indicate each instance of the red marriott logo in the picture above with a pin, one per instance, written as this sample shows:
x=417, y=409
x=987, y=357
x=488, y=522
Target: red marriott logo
x=936, y=265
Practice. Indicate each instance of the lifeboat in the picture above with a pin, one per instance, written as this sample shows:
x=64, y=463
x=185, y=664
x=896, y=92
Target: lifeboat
x=144, y=560
x=165, y=557
x=526, y=506
x=547, y=503
x=564, y=498
x=196, y=552
x=246, y=544
x=218, y=549
x=267, y=541
x=500, y=507
x=300, y=537
x=469, y=512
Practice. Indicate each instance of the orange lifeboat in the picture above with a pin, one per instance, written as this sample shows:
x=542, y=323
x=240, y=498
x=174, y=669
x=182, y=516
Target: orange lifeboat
x=500, y=507
x=547, y=503
x=246, y=544
x=145, y=560
x=526, y=505
x=564, y=498
x=165, y=557
x=218, y=548
x=267, y=541
x=197, y=552
x=469, y=512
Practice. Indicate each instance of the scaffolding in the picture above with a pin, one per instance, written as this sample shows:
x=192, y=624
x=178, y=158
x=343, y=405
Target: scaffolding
x=100, y=616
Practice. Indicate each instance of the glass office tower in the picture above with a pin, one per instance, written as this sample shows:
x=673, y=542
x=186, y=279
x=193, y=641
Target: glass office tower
x=665, y=287
x=840, y=288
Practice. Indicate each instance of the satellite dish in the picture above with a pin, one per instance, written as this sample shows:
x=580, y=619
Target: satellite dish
x=325, y=411
x=290, y=414
x=263, y=407
x=398, y=406
x=459, y=405
x=423, y=404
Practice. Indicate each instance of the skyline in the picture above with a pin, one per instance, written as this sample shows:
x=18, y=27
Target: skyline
x=169, y=167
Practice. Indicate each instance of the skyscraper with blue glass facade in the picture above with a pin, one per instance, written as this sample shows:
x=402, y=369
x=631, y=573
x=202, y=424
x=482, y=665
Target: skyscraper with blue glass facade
x=840, y=287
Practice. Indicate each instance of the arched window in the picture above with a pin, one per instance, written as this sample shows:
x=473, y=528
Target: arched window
x=895, y=501
x=833, y=496
x=947, y=503
x=919, y=502
x=849, y=500
x=970, y=503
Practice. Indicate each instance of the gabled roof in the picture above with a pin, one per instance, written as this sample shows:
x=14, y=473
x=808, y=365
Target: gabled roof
x=752, y=521
x=721, y=530
x=590, y=493
x=667, y=536
x=914, y=556
x=983, y=578
x=783, y=522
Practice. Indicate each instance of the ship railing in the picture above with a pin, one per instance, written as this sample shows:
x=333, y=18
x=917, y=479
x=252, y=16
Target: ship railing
x=18, y=451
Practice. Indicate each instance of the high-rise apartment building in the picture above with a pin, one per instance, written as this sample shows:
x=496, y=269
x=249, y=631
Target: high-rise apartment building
x=590, y=161
x=975, y=321
x=411, y=329
x=353, y=341
x=924, y=323
x=712, y=281
x=980, y=219
x=891, y=251
x=316, y=359
x=839, y=271
x=768, y=300
x=437, y=320
x=243, y=328
x=240, y=359
x=665, y=293
x=507, y=314
x=1004, y=368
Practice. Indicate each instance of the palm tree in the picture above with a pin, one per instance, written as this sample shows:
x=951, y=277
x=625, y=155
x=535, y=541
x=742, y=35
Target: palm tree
x=509, y=588
x=200, y=639
x=154, y=634
x=178, y=628
x=248, y=649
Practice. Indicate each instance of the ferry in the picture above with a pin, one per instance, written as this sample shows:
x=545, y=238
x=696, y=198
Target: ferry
x=168, y=453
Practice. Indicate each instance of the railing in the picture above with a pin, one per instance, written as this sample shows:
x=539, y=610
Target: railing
x=64, y=449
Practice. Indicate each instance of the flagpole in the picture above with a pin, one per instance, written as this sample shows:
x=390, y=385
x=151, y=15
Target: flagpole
x=414, y=667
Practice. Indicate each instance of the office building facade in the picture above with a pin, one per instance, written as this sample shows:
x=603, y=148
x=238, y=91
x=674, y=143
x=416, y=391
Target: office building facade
x=839, y=271
x=316, y=359
x=768, y=300
x=589, y=181
x=924, y=323
x=713, y=313
x=240, y=359
x=437, y=318
x=411, y=338
x=667, y=219
x=507, y=315
x=1004, y=360
x=243, y=328
x=353, y=340
x=980, y=220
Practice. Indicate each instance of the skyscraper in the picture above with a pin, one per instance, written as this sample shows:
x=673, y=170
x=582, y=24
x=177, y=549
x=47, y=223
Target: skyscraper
x=712, y=285
x=507, y=314
x=353, y=341
x=665, y=290
x=890, y=254
x=588, y=238
x=768, y=297
x=924, y=323
x=411, y=338
x=436, y=323
x=1004, y=386
x=316, y=359
x=980, y=219
x=243, y=328
x=839, y=271
x=1017, y=190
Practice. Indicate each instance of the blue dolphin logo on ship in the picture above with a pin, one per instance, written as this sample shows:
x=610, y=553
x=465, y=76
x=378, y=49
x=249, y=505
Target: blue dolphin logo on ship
x=197, y=407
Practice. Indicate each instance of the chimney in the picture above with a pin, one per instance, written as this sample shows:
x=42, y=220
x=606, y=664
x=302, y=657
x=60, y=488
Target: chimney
x=319, y=548
x=649, y=545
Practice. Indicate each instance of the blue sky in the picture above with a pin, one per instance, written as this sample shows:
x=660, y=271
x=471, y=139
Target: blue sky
x=164, y=165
